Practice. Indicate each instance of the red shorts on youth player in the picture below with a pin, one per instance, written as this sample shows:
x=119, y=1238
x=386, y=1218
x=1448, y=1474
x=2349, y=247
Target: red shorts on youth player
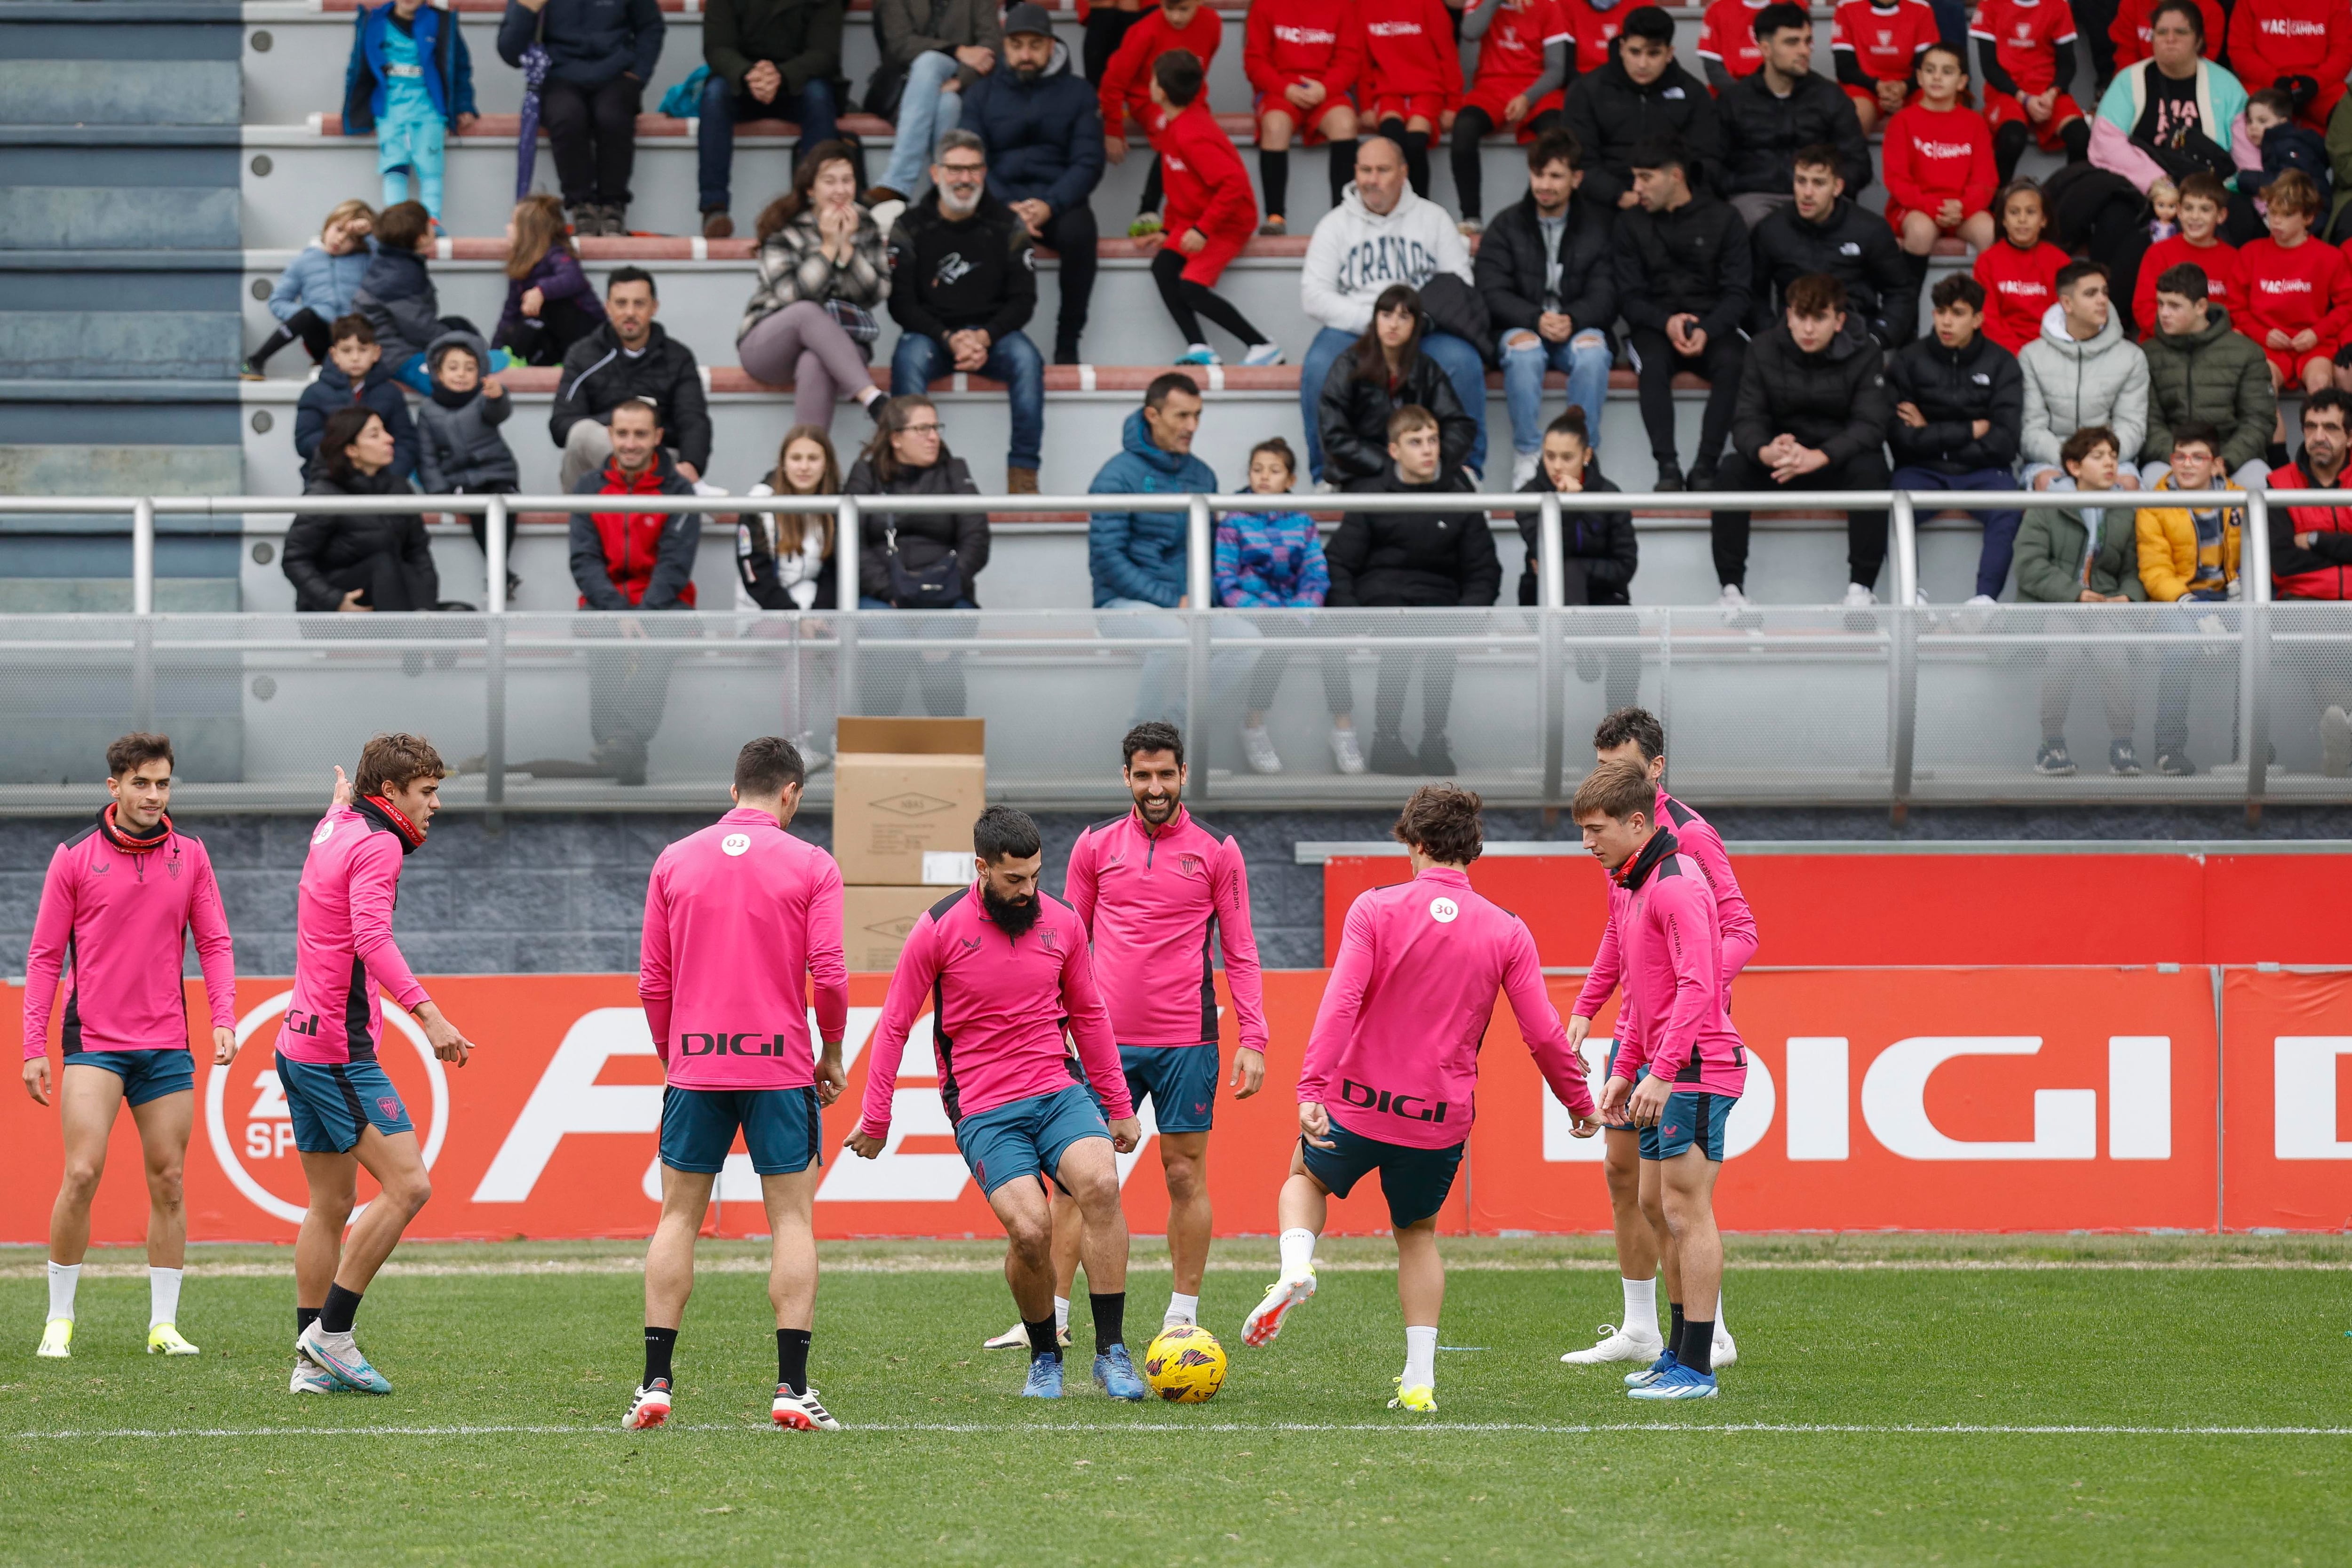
x=1429, y=106
x=1210, y=264
x=1309, y=121
x=2002, y=108
x=2289, y=363
x=1492, y=100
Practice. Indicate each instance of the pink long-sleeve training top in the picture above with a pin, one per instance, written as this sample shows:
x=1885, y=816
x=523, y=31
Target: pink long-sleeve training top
x=113, y=923
x=739, y=918
x=1700, y=841
x=1147, y=895
x=1000, y=1003
x=343, y=949
x=1394, y=1052
x=1663, y=929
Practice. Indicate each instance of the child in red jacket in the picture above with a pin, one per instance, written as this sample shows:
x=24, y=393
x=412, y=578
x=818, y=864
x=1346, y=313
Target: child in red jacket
x=2026, y=50
x=2019, y=272
x=1212, y=212
x=1595, y=28
x=1523, y=66
x=2301, y=46
x=1875, y=46
x=1412, y=77
x=1302, y=58
x=2204, y=200
x=1727, y=49
x=1938, y=160
x=1126, y=83
x=2298, y=288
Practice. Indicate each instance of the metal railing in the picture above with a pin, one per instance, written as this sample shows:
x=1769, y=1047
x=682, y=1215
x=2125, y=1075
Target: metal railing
x=1901, y=641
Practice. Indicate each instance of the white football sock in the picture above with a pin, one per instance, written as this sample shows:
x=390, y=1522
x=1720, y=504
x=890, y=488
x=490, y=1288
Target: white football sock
x=63, y=1277
x=163, y=1296
x=1641, y=1306
x=1421, y=1356
x=1181, y=1308
x=1297, y=1253
x=1061, y=1313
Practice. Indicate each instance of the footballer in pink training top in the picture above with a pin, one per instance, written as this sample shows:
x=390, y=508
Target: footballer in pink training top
x=1668, y=947
x=1004, y=968
x=1391, y=1066
x=117, y=905
x=346, y=1112
x=1149, y=885
x=1635, y=735
x=740, y=918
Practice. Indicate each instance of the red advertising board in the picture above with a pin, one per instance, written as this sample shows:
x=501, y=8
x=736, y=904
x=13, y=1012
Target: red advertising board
x=1929, y=1099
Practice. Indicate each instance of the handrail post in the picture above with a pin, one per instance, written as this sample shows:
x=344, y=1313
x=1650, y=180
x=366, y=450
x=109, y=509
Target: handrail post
x=848, y=543
x=1551, y=592
x=494, y=658
x=2254, y=653
x=142, y=557
x=1904, y=667
x=1198, y=547
x=494, y=551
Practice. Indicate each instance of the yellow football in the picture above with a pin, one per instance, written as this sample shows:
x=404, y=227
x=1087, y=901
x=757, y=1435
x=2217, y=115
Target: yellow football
x=1185, y=1364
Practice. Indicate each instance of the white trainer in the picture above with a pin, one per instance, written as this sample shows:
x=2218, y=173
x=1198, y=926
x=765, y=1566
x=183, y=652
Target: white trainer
x=1982, y=601
x=1725, y=1352
x=650, y=1408
x=1731, y=601
x=1617, y=1345
x=1858, y=597
x=1017, y=1338
x=802, y=1411
x=1258, y=746
x=1523, y=467
x=1264, y=1319
x=1347, y=752
x=1265, y=354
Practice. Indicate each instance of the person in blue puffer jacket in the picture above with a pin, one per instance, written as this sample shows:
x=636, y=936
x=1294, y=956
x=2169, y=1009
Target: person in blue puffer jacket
x=1137, y=558
x=317, y=286
x=410, y=79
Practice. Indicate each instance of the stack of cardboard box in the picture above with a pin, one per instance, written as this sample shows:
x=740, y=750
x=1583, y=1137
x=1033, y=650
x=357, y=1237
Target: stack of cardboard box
x=905, y=794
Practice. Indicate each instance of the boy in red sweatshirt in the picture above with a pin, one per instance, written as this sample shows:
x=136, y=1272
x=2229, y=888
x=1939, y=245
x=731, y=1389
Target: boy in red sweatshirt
x=2019, y=273
x=1727, y=49
x=2203, y=200
x=1212, y=212
x=2026, y=50
x=1876, y=44
x=1412, y=77
x=1938, y=160
x=2301, y=46
x=1594, y=31
x=1127, y=82
x=2298, y=290
x=1302, y=58
x=1523, y=67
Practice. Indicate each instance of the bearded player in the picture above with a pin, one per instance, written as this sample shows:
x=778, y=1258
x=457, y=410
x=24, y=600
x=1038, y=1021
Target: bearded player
x=1680, y=1070
x=1392, y=1067
x=1004, y=967
x=117, y=908
x=739, y=919
x=1634, y=735
x=347, y=1115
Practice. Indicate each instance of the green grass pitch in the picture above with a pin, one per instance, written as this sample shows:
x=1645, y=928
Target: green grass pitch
x=1952, y=1400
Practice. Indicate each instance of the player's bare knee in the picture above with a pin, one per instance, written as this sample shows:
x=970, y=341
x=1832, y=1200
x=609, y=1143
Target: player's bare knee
x=166, y=1186
x=80, y=1183
x=411, y=1193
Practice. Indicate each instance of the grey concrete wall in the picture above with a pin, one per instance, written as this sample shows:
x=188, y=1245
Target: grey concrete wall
x=560, y=893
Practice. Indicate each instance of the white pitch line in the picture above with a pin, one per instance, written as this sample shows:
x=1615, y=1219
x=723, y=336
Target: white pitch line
x=1045, y=1428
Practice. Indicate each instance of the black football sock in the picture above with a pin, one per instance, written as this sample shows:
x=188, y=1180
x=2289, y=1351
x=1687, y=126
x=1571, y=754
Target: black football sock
x=792, y=1359
x=2076, y=134
x=659, y=1345
x=1698, y=1351
x=1343, y=168
x=1111, y=1318
x=1674, y=1332
x=305, y=1316
x=1043, y=1338
x=2008, y=146
x=341, y=1307
x=1274, y=174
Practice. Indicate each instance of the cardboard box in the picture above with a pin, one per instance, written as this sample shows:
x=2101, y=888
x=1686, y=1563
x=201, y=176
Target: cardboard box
x=875, y=922
x=902, y=787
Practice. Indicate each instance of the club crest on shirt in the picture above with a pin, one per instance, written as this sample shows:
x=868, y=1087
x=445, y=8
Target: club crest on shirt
x=1049, y=938
x=172, y=867
x=1189, y=865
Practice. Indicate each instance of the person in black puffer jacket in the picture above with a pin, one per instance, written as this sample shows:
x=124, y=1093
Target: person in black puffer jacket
x=938, y=554
x=628, y=358
x=1638, y=95
x=1812, y=416
x=1950, y=383
x=1822, y=231
x=1413, y=558
x=1683, y=279
x=1783, y=108
x=356, y=563
x=1598, y=548
x=1384, y=372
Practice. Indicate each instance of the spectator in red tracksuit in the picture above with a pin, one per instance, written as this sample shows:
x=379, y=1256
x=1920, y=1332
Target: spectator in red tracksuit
x=2133, y=33
x=2019, y=272
x=1937, y=161
x=1594, y=28
x=1302, y=57
x=632, y=560
x=1212, y=212
x=2025, y=49
x=2298, y=288
x=1126, y=85
x=2204, y=202
x=1727, y=49
x=2311, y=557
x=2301, y=46
x=1874, y=46
x=1413, y=78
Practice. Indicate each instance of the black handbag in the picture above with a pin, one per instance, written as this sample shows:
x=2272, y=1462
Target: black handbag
x=934, y=587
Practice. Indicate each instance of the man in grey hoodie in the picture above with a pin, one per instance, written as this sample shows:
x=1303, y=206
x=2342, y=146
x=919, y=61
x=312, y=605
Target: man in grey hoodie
x=2081, y=371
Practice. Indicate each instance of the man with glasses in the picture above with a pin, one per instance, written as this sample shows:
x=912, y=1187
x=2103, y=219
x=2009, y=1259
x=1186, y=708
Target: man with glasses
x=964, y=282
